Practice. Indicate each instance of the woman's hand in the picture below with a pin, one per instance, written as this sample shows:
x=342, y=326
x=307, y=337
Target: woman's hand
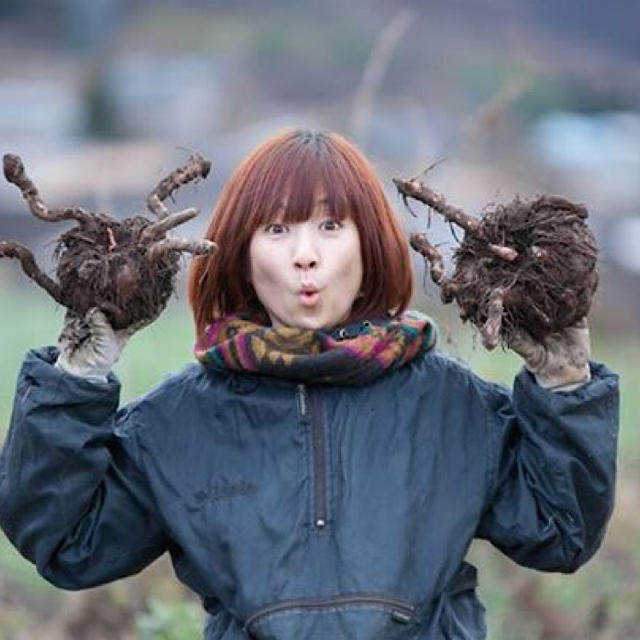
x=559, y=362
x=97, y=353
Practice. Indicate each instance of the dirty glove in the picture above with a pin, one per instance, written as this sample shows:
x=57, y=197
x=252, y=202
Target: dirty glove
x=560, y=361
x=97, y=353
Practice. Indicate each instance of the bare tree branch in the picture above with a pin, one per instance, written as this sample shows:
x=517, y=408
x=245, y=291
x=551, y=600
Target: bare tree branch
x=374, y=71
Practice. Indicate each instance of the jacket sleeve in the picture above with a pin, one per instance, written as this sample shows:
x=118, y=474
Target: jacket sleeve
x=551, y=471
x=72, y=498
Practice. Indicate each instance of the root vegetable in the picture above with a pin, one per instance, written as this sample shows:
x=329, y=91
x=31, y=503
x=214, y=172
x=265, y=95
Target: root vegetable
x=527, y=264
x=125, y=267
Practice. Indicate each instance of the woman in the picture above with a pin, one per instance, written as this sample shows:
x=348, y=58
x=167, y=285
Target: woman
x=323, y=469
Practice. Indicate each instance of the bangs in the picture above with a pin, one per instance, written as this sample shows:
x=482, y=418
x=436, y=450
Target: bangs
x=289, y=184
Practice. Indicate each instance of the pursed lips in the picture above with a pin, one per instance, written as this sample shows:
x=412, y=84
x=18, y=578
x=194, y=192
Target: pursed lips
x=308, y=288
x=308, y=294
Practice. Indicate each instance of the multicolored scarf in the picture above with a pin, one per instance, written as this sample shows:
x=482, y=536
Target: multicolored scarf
x=352, y=355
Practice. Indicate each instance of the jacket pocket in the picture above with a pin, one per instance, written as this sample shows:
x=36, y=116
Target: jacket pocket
x=220, y=624
x=462, y=615
x=354, y=616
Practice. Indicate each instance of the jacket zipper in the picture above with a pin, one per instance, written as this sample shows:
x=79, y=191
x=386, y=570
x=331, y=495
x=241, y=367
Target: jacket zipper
x=401, y=611
x=308, y=407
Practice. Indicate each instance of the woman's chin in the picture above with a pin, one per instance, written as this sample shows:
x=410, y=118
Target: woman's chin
x=313, y=318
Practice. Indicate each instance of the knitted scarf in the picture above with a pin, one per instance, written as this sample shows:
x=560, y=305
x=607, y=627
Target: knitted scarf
x=353, y=355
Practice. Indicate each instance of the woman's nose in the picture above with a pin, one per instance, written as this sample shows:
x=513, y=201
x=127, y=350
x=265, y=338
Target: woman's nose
x=305, y=253
x=305, y=262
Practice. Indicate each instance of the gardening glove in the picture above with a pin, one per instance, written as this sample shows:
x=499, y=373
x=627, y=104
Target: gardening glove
x=559, y=362
x=97, y=353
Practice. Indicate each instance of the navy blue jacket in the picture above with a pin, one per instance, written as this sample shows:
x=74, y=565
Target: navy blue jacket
x=309, y=512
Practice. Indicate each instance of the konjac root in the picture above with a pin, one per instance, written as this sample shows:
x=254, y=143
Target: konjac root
x=527, y=264
x=126, y=267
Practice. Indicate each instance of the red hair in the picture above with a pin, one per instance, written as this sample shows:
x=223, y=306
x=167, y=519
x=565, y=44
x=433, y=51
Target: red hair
x=284, y=175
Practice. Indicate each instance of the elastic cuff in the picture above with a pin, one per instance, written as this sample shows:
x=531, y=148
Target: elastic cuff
x=88, y=376
x=564, y=386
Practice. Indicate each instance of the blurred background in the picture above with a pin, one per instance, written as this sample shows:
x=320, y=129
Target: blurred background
x=509, y=97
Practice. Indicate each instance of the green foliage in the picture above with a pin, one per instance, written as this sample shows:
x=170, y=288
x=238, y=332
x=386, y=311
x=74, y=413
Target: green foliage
x=179, y=620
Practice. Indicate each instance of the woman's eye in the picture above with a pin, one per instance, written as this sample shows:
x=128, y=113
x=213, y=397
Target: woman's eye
x=331, y=224
x=275, y=228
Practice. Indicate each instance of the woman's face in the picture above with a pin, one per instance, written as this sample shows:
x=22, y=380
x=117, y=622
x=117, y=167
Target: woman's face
x=307, y=274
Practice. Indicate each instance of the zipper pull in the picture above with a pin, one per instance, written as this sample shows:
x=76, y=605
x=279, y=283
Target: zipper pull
x=302, y=400
x=400, y=616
